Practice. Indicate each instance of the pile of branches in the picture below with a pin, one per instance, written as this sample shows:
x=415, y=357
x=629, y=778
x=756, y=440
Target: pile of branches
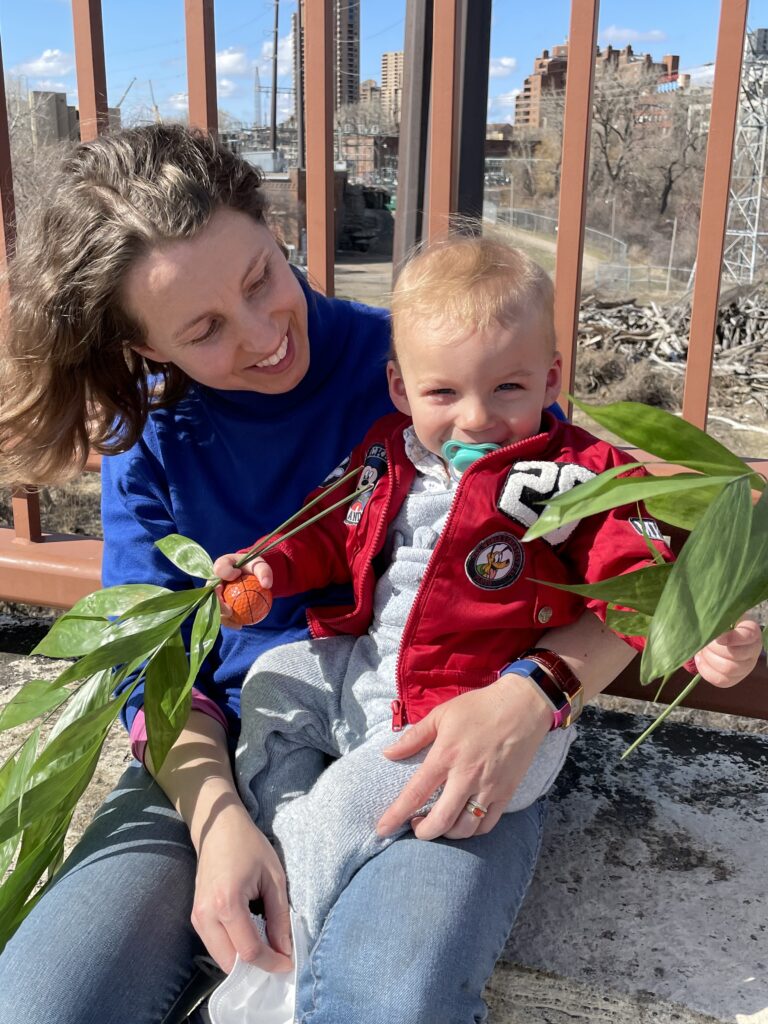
x=641, y=332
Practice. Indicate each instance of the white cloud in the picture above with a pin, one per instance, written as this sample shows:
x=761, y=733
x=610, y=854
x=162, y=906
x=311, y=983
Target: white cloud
x=284, y=57
x=178, y=101
x=502, y=106
x=501, y=67
x=50, y=62
x=226, y=87
x=622, y=36
x=46, y=85
x=232, y=61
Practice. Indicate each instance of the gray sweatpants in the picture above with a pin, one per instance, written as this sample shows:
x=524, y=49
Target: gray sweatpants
x=310, y=702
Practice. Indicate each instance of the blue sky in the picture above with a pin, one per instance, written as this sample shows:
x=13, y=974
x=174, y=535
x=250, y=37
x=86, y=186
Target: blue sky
x=145, y=39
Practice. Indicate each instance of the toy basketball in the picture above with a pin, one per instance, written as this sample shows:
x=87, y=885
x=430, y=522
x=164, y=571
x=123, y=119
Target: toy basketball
x=249, y=601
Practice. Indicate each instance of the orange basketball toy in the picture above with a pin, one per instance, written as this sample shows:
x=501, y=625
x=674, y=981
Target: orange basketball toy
x=249, y=601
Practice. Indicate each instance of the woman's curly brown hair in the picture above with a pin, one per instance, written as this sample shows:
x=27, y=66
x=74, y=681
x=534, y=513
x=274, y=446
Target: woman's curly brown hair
x=70, y=379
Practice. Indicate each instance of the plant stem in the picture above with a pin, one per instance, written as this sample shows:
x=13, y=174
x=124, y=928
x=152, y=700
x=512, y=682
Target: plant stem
x=258, y=548
x=654, y=725
x=303, y=526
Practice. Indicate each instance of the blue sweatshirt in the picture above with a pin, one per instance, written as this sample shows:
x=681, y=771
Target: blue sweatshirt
x=223, y=467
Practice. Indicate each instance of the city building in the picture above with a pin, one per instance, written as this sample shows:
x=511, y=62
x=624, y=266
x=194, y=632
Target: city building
x=346, y=51
x=550, y=71
x=392, y=84
x=370, y=94
x=53, y=119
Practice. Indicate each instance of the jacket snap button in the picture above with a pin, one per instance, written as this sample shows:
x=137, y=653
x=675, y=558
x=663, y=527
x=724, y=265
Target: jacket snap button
x=544, y=614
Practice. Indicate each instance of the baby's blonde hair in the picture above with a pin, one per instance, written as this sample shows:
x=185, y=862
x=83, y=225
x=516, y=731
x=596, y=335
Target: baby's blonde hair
x=470, y=281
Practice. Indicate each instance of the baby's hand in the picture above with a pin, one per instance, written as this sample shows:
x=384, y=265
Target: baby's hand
x=732, y=656
x=225, y=568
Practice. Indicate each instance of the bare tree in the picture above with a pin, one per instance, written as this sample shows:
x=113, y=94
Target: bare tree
x=619, y=97
x=672, y=160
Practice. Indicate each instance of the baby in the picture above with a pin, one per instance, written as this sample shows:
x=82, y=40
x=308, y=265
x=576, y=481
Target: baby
x=446, y=597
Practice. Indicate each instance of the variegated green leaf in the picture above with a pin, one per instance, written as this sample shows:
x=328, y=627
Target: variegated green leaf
x=165, y=681
x=627, y=623
x=13, y=781
x=640, y=589
x=666, y=436
x=35, y=698
x=205, y=631
x=703, y=586
x=605, y=492
x=187, y=555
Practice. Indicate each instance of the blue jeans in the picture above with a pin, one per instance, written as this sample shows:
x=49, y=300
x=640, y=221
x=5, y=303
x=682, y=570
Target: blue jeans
x=413, y=938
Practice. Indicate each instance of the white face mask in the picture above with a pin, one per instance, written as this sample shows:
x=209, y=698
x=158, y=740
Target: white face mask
x=251, y=995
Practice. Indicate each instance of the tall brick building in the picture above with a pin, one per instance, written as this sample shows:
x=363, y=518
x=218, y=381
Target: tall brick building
x=346, y=50
x=392, y=84
x=550, y=71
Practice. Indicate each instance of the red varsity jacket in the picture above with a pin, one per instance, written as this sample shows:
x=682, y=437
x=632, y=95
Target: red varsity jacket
x=484, y=598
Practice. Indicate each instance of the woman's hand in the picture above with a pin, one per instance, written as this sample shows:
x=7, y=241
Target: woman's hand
x=484, y=742
x=482, y=745
x=732, y=656
x=236, y=864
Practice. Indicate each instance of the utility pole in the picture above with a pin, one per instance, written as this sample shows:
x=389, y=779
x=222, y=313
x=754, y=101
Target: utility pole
x=273, y=133
x=299, y=86
x=256, y=98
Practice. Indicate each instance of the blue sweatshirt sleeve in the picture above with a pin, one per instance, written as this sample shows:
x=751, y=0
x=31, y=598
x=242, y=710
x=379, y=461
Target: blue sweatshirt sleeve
x=137, y=511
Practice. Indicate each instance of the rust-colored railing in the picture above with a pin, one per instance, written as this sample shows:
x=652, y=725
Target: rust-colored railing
x=441, y=101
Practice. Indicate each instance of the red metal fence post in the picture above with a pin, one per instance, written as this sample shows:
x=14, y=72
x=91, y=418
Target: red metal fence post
x=201, y=65
x=714, y=209
x=7, y=204
x=577, y=131
x=318, y=86
x=91, y=72
x=443, y=119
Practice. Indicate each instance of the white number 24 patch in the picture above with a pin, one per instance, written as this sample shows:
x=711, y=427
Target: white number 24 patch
x=530, y=485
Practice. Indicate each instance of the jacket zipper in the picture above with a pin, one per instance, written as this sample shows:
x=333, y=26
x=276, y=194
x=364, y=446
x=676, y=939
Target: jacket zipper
x=399, y=707
x=371, y=546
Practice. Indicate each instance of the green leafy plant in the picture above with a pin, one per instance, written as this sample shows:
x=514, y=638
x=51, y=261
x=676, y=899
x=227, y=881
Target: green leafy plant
x=722, y=569
x=119, y=637
x=126, y=635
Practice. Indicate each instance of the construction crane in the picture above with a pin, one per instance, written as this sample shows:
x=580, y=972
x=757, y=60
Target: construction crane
x=128, y=89
x=155, y=109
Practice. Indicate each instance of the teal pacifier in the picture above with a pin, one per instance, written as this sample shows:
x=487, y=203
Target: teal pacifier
x=460, y=455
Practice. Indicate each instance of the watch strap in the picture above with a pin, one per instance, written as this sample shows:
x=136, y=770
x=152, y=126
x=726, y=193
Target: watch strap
x=564, y=676
x=555, y=697
x=555, y=680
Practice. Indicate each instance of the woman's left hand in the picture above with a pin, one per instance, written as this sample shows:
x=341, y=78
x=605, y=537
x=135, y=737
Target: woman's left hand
x=482, y=745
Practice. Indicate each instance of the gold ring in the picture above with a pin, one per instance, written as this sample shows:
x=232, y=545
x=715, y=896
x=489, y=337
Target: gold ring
x=475, y=809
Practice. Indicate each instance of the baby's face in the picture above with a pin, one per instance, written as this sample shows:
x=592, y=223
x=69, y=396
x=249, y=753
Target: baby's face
x=484, y=386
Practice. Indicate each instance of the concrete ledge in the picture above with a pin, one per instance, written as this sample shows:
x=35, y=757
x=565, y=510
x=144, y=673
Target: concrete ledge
x=650, y=901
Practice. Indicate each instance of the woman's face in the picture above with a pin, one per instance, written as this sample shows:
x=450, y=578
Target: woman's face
x=223, y=306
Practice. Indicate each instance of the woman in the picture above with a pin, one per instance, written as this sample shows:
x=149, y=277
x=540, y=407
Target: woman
x=155, y=315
